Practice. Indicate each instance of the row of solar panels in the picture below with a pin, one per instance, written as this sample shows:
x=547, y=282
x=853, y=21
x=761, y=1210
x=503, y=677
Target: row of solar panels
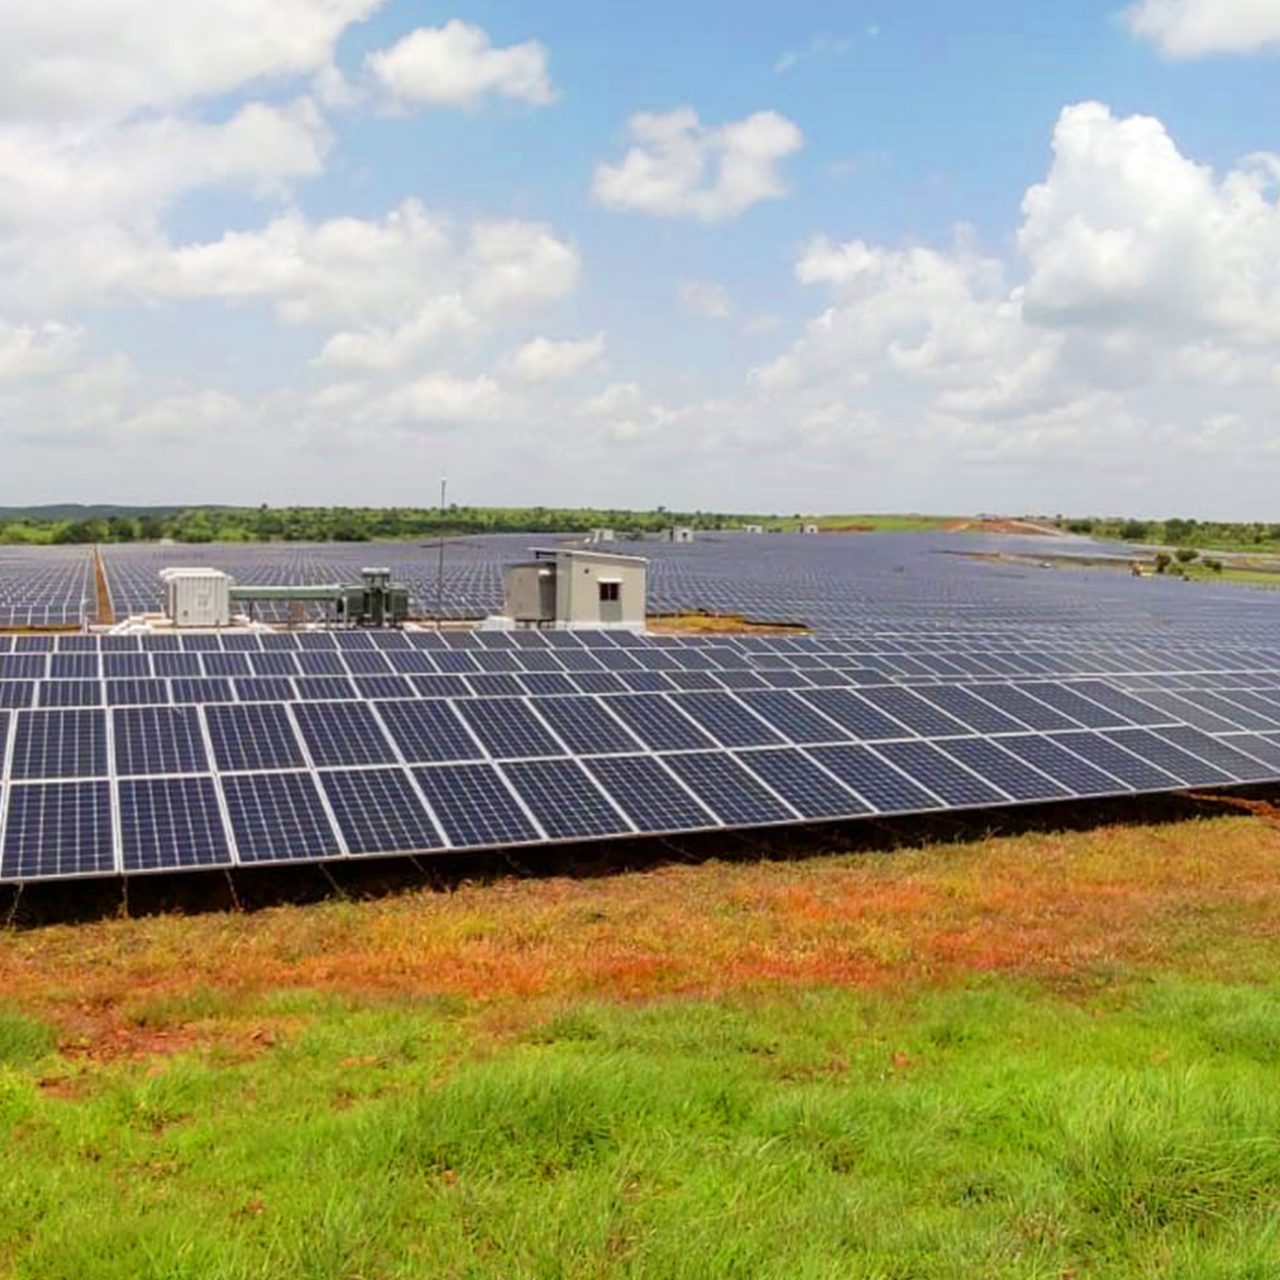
x=60, y=743
x=153, y=824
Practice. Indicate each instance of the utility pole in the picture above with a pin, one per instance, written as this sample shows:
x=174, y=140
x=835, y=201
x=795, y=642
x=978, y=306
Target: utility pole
x=440, y=560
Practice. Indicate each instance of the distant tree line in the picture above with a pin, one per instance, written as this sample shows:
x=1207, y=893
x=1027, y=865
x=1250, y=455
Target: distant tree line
x=1177, y=532
x=354, y=524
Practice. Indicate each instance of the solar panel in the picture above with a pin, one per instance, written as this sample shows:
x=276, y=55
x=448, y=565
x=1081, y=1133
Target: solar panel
x=918, y=715
x=378, y=812
x=1076, y=774
x=1188, y=768
x=253, y=737
x=171, y=823
x=855, y=714
x=60, y=744
x=1014, y=777
x=278, y=817
x=585, y=726
x=874, y=778
x=656, y=721
x=733, y=794
x=648, y=794
x=792, y=717
x=810, y=790
x=508, y=728
x=58, y=829
x=148, y=740
x=69, y=693
x=727, y=720
x=564, y=800
x=474, y=806
x=342, y=733
x=939, y=774
x=427, y=731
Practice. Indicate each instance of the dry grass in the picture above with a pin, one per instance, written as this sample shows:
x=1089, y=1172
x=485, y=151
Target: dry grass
x=1071, y=910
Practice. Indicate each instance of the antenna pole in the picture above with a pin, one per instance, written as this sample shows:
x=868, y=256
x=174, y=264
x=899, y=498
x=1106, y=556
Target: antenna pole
x=440, y=559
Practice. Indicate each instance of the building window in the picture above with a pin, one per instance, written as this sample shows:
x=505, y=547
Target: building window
x=610, y=592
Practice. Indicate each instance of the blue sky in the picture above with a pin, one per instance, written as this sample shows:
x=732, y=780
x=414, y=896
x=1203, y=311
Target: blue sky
x=824, y=256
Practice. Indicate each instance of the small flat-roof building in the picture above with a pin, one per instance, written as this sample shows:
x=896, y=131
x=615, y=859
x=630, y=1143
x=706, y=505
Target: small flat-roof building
x=602, y=535
x=569, y=589
x=753, y=528
x=680, y=533
x=809, y=528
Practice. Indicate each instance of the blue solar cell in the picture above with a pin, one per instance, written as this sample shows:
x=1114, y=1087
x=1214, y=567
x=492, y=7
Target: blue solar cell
x=377, y=688
x=585, y=726
x=648, y=794
x=322, y=663
x=60, y=744
x=137, y=693
x=278, y=817
x=727, y=789
x=727, y=720
x=1079, y=776
x=428, y=730
x=658, y=724
x=1026, y=710
x=263, y=689
x=885, y=788
x=1118, y=762
x=342, y=733
x=253, y=737
x=855, y=714
x=324, y=688
x=564, y=800
x=918, y=715
x=440, y=686
x=69, y=693
x=508, y=728
x=58, y=829
x=925, y=764
x=379, y=812
x=474, y=806
x=979, y=716
x=171, y=823
x=793, y=717
x=1217, y=753
x=808, y=789
x=150, y=740
x=193, y=690
x=495, y=686
x=1014, y=777
x=17, y=693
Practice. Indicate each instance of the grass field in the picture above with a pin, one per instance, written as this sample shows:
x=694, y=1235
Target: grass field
x=1048, y=1055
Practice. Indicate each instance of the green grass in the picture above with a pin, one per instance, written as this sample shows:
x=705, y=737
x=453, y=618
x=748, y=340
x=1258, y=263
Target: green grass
x=994, y=1130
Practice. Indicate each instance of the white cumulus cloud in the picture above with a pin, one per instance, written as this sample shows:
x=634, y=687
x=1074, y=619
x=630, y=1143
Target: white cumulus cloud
x=1199, y=28
x=549, y=360
x=456, y=66
x=706, y=298
x=678, y=167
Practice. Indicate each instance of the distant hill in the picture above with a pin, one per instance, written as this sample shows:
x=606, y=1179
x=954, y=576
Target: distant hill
x=101, y=511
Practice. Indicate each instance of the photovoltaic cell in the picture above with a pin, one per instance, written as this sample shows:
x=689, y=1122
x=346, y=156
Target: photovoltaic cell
x=278, y=817
x=378, y=811
x=60, y=744
x=727, y=719
x=428, y=730
x=151, y=740
x=648, y=795
x=585, y=726
x=1118, y=762
x=887, y=789
x=474, y=806
x=342, y=733
x=253, y=737
x=727, y=789
x=1013, y=776
x=566, y=803
x=940, y=774
x=170, y=823
x=58, y=829
x=810, y=791
x=855, y=714
x=1079, y=776
x=1165, y=755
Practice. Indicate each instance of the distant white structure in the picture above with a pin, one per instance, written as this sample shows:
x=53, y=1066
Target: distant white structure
x=681, y=533
x=569, y=590
x=602, y=535
x=753, y=528
x=197, y=597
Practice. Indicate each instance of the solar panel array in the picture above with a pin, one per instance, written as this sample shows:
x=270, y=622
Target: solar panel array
x=137, y=754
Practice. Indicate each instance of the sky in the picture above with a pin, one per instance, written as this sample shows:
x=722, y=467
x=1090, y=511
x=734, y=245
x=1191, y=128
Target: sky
x=824, y=256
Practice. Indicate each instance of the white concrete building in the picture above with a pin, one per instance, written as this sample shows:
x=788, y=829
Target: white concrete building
x=568, y=589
